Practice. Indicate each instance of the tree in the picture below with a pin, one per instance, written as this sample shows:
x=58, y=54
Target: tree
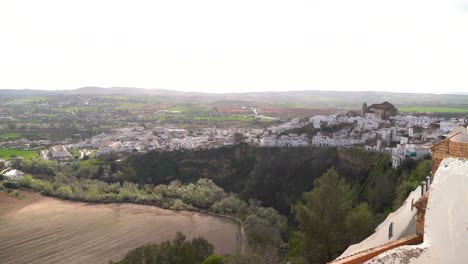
x=295, y=249
x=214, y=259
x=177, y=251
x=202, y=248
x=65, y=191
x=322, y=217
x=244, y=259
x=359, y=223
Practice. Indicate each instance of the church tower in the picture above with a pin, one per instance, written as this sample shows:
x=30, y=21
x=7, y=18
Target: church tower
x=364, y=110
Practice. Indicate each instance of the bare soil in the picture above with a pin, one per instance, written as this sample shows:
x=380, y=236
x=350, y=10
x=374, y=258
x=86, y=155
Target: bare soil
x=47, y=230
x=296, y=111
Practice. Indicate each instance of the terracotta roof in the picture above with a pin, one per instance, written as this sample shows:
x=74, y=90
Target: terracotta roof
x=366, y=255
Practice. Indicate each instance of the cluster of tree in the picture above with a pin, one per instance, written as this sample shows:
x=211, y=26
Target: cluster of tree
x=276, y=176
x=311, y=131
x=181, y=251
x=263, y=226
x=10, y=188
x=188, y=180
x=412, y=173
x=329, y=220
x=177, y=251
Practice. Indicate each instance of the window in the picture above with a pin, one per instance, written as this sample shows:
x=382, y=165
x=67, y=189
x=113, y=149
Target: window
x=390, y=231
x=412, y=202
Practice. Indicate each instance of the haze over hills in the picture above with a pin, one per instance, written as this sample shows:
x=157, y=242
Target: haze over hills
x=307, y=98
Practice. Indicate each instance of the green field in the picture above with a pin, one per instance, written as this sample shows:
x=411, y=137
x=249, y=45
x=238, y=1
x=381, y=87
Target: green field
x=27, y=100
x=187, y=108
x=9, y=135
x=130, y=106
x=225, y=118
x=434, y=109
x=9, y=153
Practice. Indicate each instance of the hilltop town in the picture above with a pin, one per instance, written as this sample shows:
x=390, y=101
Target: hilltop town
x=248, y=162
x=378, y=127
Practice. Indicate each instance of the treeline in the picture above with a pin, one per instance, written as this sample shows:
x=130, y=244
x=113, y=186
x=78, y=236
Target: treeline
x=295, y=181
x=181, y=251
x=274, y=176
x=329, y=219
x=277, y=176
x=263, y=226
x=177, y=251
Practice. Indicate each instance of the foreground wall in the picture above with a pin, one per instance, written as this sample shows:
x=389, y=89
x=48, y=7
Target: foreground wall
x=403, y=222
x=446, y=224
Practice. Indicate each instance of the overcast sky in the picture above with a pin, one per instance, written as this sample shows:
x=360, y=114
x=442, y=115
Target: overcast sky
x=236, y=46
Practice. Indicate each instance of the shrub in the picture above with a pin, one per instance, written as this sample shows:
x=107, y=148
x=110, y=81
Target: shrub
x=11, y=185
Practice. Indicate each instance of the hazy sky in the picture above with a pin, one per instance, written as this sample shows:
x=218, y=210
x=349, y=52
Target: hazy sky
x=226, y=46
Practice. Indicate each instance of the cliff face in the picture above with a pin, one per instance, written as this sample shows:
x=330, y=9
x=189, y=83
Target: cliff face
x=446, y=221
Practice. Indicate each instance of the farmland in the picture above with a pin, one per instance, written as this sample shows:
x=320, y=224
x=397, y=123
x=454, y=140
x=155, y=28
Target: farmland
x=9, y=153
x=9, y=135
x=43, y=229
x=433, y=109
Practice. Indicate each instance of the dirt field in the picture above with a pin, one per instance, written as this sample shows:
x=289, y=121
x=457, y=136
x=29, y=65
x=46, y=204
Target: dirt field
x=305, y=112
x=47, y=230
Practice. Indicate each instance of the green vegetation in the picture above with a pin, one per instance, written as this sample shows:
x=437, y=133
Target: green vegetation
x=181, y=251
x=419, y=172
x=10, y=189
x=11, y=153
x=76, y=109
x=263, y=225
x=311, y=131
x=433, y=109
x=242, y=118
x=190, y=108
x=9, y=135
x=258, y=181
x=130, y=106
x=200, y=118
x=27, y=100
x=329, y=221
x=177, y=251
x=275, y=176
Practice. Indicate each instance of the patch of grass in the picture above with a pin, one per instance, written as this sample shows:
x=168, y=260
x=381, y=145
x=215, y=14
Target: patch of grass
x=10, y=153
x=266, y=120
x=188, y=108
x=93, y=162
x=130, y=106
x=434, y=109
x=242, y=118
x=9, y=135
x=11, y=192
x=27, y=100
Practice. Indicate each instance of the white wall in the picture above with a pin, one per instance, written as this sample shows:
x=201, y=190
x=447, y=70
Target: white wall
x=446, y=224
x=404, y=224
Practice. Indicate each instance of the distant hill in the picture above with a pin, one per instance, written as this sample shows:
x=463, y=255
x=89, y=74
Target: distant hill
x=299, y=99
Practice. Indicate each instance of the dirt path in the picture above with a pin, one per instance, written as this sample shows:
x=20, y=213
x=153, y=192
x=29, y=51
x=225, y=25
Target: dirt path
x=48, y=230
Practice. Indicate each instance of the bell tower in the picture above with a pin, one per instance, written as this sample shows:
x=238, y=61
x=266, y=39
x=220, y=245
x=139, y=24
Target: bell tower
x=364, y=110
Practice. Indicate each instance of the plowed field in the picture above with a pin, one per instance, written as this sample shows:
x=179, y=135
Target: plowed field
x=48, y=230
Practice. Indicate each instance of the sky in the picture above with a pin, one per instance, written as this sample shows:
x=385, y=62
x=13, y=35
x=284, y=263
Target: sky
x=236, y=46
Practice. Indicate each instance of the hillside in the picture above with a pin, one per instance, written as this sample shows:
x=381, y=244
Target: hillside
x=289, y=99
x=275, y=176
